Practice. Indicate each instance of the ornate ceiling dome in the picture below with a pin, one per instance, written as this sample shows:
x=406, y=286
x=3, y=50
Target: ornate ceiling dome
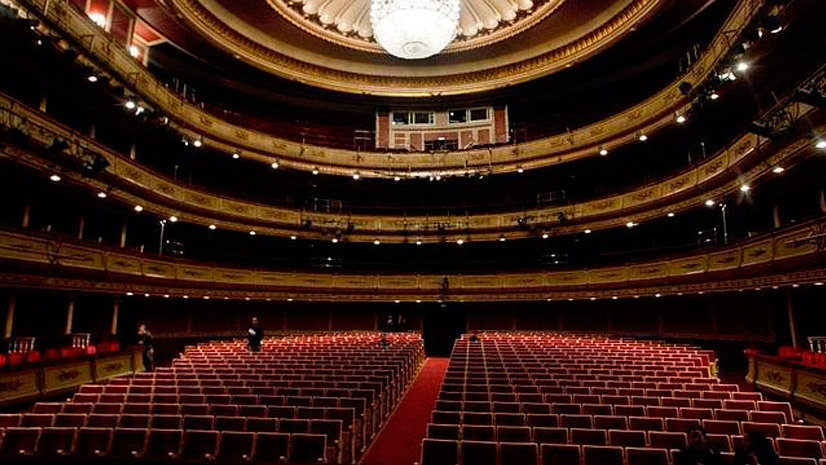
x=329, y=43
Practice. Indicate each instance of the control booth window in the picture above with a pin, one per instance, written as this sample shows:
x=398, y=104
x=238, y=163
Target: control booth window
x=441, y=144
x=423, y=117
x=401, y=118
x=479, y=114
x=457, y=116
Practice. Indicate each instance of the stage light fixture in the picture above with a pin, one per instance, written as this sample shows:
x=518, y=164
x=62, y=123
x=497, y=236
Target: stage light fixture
x=356, y=176
x=54, y=178
x=213, y=227
x=376, y=242
x=630, y=224
x=520, y=170
x=397, y=178
x=92, y=78
x=419, y=242
x=102, y=195
x=603, y=150
x=502, y=239
x=588, y=231
x=642, y=137
x=745, y=188
x=335, y=240
x=658, y=295
x=821, y=144
x=778, y=169
x=173, y=219
x=670, y=214
x=292, y=238
x=710, y=203
x=681, y=119
x=130, y=294
x=197, y=143
x=252, y=233
x=130, y=105
x=134, y=51
x=714, y=95
x=742, y=66
x=315, y=171
x=235, y=156
x=274, y=165
x=138, y=208
x=545, y=235
x=460, y=241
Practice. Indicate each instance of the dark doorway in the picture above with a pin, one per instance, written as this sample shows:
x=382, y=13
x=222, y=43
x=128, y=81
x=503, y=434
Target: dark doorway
x=441, y=325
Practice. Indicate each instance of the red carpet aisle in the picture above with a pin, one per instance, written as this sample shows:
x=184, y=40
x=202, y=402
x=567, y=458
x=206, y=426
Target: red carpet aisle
x=401, y=440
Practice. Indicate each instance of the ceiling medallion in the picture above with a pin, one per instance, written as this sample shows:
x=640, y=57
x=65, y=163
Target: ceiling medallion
x=414, y=29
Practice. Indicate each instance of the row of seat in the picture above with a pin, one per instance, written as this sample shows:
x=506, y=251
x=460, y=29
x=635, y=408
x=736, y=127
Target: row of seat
x=164, y=444
x=707, y=399
x=450, y=452
x=281, y=396
x=811, y=444
x=767, y=415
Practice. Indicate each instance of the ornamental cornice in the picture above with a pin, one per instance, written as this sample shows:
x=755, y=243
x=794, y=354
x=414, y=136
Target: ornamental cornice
x=648, y=116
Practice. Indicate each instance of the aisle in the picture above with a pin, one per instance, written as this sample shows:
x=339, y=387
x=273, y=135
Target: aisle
x=400, y=441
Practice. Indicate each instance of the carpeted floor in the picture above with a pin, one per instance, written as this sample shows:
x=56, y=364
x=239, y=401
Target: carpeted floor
x=400, y=442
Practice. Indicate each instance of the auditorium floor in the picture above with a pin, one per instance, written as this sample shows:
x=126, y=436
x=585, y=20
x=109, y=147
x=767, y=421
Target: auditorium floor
x=399, y=442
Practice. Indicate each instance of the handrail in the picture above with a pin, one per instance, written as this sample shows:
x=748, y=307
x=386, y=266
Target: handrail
x=141, y=185
x=743, y=265
x=650, y=115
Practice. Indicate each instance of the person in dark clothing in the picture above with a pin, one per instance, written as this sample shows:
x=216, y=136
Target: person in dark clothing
x=755, y=450
x=698, y=452
x=389, y=325
x=145, y=342
x=254, y=336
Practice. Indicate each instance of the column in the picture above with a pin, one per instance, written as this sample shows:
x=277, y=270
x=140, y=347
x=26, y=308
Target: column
x=10, y=316
x=70, y=315
x=113, y=327
x=81, y=225
x=776, y=214
x=123, y=234
x=27, y=215
x=822, y=201
x=792, y=323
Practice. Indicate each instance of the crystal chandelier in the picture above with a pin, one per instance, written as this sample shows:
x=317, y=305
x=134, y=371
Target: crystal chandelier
x=414, y=29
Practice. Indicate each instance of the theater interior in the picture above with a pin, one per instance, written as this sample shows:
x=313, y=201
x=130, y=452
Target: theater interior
x=397, y=232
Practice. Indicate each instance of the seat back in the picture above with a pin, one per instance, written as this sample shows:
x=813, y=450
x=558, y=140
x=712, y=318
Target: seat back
x=199, y=445
x=440, y=452
x=307, y=448
x=235, y=447
x=19, y=440
x=479, y=452
x=271, y=447
x=55, y=441
x=127, y=442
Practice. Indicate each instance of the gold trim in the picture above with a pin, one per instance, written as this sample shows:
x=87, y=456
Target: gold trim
x=683, y=191
x=197, y=279
x=649, y=116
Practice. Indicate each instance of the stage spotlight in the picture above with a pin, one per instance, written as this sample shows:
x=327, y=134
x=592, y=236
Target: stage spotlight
x=821, y=144
x=587, y=231
x=745, y=188
x=418, y=242
x=670, y=214
x=714, y=95
x=376, y=242
x=212, y=227
x=102, y=195
x=778, y=169
x=642, y=137
x=252, y=233
x=235, y=156
x=92, y=78
x=315, y=171
x=274, y=165
x=520, y=170
x=334, y=240
x=356, y=176
x=710, y=203
x=134, y=51
x=603, y=151
x=54, y=178
x=545, y=235
x=292, y=238
x=130, y=105
x=630, y=224
x=681, y=119
x=460, y=241
x=173, y=219
x=138, y=208
x=742, y=66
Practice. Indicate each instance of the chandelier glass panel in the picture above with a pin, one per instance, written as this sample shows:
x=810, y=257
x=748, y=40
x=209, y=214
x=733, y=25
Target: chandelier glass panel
x=414, y=29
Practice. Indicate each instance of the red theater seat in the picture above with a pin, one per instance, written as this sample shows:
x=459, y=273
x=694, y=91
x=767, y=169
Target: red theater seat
x=127, y=442
x=560, y=454
x=55, y=442
x=513, y=434
x=641, y=456
x=479, y=452
x=235, y=447
x=517, y=453
x=440, y=452
x=602, y=455
x=92, y=442
x=271, y=447
x=814, y=433
x=799, y=448
x=627, y=438
x=199, y=445
x=19, y=441
x=667, y=440
x=594, y=437
x=163, y=444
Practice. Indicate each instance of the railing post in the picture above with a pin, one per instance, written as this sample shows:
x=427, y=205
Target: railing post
x=792, y=322
x=10, y=316
x=113, y=328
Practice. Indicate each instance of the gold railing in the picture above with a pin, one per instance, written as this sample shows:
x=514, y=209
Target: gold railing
x=648, y=116
x=789, y=255
x=749, y=155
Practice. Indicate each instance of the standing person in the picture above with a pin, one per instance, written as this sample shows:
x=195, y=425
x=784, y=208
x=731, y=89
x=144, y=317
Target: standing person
x=145, y=341
x=698, y=452
x=254, y=336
